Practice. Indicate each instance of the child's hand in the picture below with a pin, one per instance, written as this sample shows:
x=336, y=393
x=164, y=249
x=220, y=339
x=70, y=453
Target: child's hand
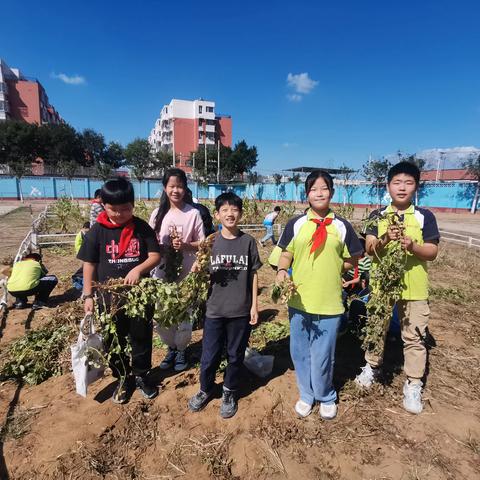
x=88, y=306
x=177, y=243
x=281, y=276
x=253, y=316
x=195, y=267
x=393, y=233
x=133, y=277
x=407, y=244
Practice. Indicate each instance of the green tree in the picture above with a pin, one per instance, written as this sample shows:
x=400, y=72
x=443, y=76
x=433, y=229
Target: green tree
x=376, y=171
x=163, y=161
x=64, y=149
x=111, y=158
x=93, y=144
x=473, y=168
x=347, y=176
x=277, y=179
x=296, y=179
x=20, y=145
x=242, y=159
x=252, y=179
x=139, y=158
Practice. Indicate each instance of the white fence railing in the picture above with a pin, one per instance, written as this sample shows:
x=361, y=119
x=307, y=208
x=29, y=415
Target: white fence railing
x=29, y=243
x=467, y=240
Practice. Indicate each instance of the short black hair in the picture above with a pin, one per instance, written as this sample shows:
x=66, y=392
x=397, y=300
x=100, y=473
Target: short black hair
x=98, y=193
x=277, y=209
x=228, y=198
x=86, y=225
x=314, y=176
x=408, y=168
x=117, y=191
x=34, y=256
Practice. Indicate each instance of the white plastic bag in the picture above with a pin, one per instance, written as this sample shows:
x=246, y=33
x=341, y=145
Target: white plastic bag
x=85, y=371
x=260, y=365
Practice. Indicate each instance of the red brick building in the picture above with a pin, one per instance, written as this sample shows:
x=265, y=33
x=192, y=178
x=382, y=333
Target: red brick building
x=189, y=126
x=24, y=99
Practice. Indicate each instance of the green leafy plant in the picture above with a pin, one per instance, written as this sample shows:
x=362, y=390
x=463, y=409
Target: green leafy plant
x=36, y=356
x=386, y=285
x=67, y=216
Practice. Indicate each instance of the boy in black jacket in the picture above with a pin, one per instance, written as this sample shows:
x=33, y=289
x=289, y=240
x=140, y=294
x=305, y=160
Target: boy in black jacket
x=120, y=245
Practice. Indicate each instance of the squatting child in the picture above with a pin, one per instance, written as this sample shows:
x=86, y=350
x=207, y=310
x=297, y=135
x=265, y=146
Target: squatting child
x=120, y=245
x=29, y=277
x=231, y=307
x=420, y=240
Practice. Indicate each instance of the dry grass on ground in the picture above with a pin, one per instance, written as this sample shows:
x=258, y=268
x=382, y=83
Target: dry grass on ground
x=49, y=432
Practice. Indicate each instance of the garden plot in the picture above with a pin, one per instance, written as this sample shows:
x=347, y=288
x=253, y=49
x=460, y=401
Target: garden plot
x=50, y=432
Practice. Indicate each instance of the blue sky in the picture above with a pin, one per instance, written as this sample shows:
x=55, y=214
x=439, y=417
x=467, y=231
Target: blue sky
x=309, y=83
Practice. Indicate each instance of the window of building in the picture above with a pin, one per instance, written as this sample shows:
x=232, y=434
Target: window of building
x=199, y=109
x=2, y=106
x=210, y=109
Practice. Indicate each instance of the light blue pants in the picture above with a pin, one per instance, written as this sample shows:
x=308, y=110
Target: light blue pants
x=312, y=347
x=269, y=234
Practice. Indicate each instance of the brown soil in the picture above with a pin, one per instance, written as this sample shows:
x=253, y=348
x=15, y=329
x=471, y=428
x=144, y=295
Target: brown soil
x=55, y=434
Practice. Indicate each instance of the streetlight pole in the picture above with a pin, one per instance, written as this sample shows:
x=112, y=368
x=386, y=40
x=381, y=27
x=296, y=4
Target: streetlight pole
x=173, y=142
x=218, y=162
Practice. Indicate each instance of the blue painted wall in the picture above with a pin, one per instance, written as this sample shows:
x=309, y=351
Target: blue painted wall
x=440, y=195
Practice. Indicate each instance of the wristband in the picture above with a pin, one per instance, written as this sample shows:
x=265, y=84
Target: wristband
x=84, y=297
x=280, y=269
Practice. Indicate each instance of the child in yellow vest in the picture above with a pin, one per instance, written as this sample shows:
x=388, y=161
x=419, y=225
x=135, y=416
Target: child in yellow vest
x=29, y=277
x=420, y=240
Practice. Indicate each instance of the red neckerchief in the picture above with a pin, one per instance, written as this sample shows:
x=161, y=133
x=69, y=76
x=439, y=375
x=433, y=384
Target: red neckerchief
x=126, y=235
x=320, y=234
x=96, y=201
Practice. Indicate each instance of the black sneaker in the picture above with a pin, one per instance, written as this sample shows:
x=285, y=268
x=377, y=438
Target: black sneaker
x=20, y=305
x=199, y=401
x=229, y=405
x=181, y=362
x=145, y=388
x=169, y=359
x=38, y=305
x=120, y=395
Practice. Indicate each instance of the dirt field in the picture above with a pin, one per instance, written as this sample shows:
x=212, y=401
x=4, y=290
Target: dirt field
x=52, y=433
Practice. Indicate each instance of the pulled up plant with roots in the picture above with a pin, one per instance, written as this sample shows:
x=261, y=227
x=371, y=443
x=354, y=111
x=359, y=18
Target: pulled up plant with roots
x=386, y=289
x=172, y=303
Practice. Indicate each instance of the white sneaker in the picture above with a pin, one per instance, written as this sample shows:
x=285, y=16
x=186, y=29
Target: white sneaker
x=368, y=376
x=328, y=411
x=303, y=408
x=412, y=397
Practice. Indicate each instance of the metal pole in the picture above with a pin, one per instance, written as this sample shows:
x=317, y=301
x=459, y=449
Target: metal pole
x=218, y=162
x=173, y=142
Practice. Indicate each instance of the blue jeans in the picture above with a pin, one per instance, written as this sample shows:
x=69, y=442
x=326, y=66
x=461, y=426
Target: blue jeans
x=269, y=234
x=312, y=348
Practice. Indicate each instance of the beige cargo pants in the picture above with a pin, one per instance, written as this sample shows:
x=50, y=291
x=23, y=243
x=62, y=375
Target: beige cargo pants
x=413, y=315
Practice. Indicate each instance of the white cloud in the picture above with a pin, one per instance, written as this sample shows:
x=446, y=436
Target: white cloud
x=301, y=82
x=294, y=97
x=69, y=80
x=288, y=145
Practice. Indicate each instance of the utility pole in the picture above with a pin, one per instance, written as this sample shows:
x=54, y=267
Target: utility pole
x=218, y=162
x=173, y=142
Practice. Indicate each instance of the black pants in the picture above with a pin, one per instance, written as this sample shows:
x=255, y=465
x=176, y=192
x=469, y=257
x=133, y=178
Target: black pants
x=139, y=332
x=235, y=332
x=42, y=291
